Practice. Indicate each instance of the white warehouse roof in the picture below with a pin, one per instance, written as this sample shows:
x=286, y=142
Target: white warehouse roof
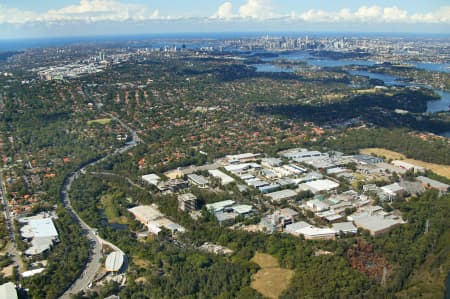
x=152, y=179
x=8, y=291
x=224, y=178
x=321, y=185
x=39, y=228
x=377, y=224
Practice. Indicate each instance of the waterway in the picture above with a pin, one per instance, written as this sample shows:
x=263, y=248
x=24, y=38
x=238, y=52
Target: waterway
x=443, y=104
x=328, y=62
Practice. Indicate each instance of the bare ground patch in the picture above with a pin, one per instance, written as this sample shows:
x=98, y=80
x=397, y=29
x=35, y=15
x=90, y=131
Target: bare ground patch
x=270, y=280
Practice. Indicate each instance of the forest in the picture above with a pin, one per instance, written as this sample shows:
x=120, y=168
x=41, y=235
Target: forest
x=377, y=109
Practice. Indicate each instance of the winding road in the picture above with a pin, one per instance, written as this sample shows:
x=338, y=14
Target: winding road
x=83, y=282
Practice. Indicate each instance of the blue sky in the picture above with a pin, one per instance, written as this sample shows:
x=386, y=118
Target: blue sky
x=47, y=18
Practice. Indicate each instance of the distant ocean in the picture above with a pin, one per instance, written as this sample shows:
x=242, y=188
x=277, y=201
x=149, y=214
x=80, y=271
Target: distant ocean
x=22, y=44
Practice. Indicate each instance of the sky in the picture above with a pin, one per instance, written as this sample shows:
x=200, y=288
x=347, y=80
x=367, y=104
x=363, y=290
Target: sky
x=60, y=18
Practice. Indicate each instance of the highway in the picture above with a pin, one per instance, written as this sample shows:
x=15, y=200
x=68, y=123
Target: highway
x=84, y=281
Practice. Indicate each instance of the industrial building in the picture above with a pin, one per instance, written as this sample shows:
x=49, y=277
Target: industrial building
x=319, y=186
x=226, y=218
x=198, y=180
x=219, y=206
x=227, y=215
x=429, y=183
x=317, y=205
x=151, y=217
x=271, y=162
x=310, y=232
x=173, y=185
x=242, y=158
x=152, y=179
x=224, y=178
x=226, y=211
x=377, y=224
x=295, y=227
x=114, y=261
x=40, y=232
x=282, y=217
x=344, y=227
x=316, y=233
x=269, y=188
x=8, y=291
x=187, y=202
x=301, y=154
x=367, y=159
x=282, y=195
x=408, y=166
x=392, y=190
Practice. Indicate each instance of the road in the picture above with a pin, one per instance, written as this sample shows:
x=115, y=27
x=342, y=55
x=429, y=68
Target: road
x=86, y=278
x=12, y=246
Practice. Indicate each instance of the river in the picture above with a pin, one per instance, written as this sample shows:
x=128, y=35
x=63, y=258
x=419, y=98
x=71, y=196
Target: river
x=443, y=104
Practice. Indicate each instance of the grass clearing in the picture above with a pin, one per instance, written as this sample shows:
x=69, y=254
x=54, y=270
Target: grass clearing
x=141, y=263
x=440, y=169
x=112, y=210
x=100, y=121
x=270, y=280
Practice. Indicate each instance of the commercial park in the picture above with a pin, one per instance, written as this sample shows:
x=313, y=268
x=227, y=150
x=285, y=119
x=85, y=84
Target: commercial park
x=312, y=194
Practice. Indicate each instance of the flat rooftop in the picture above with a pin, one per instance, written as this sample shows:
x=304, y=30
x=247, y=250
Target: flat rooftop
x=224, y=178
x=376, y=224
x=220, y=205
x=321, y=185
x=283, y=194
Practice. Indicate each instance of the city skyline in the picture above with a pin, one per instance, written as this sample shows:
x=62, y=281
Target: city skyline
x=108, y=17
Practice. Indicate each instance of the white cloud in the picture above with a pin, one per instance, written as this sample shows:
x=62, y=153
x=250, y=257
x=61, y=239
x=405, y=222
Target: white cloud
x=252, y=10
x=375, y=15
x=440, y=16
x=101, y=10
x=257, y=9
x=225, y=11
x=394, y=14
x=13, y=15
x=367, y=14
x=86, y=10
